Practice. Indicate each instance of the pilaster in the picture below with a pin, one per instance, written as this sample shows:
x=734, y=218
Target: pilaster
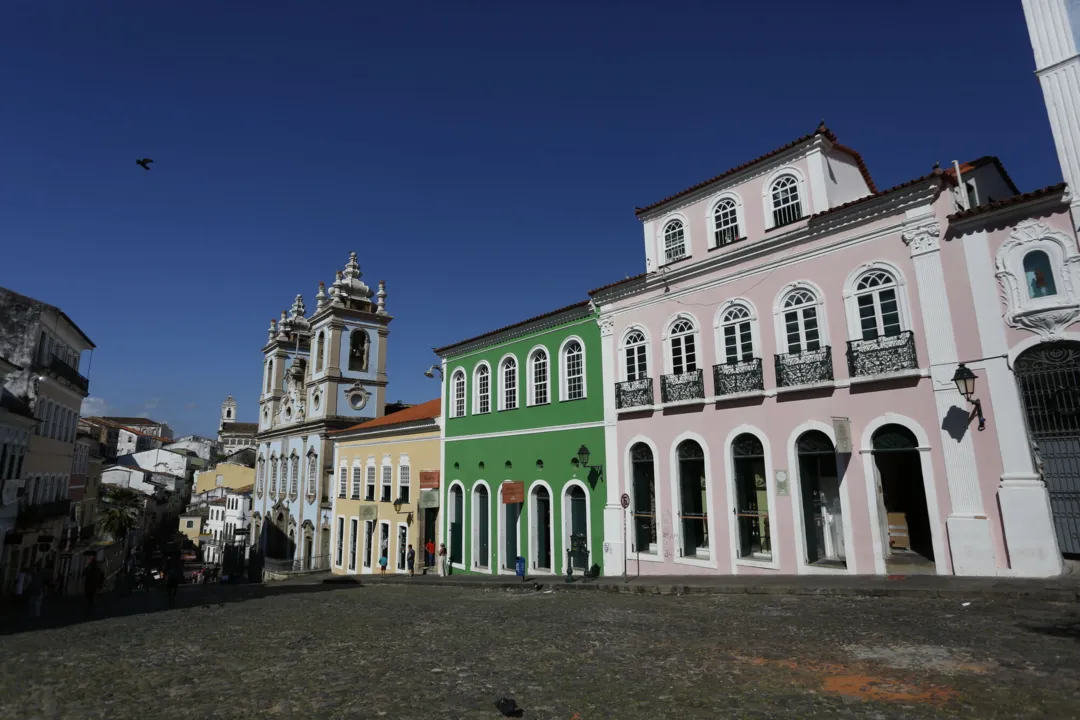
x=614, y=536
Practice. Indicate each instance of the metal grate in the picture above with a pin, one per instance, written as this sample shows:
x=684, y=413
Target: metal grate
x=738, y=377
x=882, y=355
x=1049, y=379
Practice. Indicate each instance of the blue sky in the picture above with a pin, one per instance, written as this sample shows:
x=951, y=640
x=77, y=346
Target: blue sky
x=484, y=158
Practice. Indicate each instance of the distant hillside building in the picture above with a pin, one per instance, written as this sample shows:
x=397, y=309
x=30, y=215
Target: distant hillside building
x=234, y=436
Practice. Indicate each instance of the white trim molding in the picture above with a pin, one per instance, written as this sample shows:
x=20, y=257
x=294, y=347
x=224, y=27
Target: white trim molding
x=533, y=514
x=733, y=497
x=568, y=523
x=719, y=324
x=851, y=306
x=740, y=217
x=564, y=379
x=1047, y=316
x=658, y=516
x=474, y=529
x=676, y=530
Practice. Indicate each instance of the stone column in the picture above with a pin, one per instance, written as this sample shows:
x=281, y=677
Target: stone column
x=614, y=515
x=968, y=526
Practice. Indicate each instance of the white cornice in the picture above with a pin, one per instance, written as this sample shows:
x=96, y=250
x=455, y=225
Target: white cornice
x=463, y=350
x=1052, y=201
x=527, y=431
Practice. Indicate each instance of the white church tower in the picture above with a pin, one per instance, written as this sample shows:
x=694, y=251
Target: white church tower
x=228, y=412
x=1054, y=26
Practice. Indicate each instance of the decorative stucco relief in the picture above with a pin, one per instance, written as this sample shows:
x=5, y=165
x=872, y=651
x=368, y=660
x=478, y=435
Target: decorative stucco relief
x=1049, y=315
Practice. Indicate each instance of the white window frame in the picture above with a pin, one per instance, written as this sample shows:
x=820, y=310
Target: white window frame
x=532, y=376
x=371, y=481
x=778, y=315
x=313, y=472
x=357, y=471
x=458, y=395
x=767, y=189
x=661, y=239
x=404, y=475
x=851, y=301
x=533, y=517
x=401, y=549
x=567, y=523
x=669, y=359
x=386, y=479
x=564, y=370
x=273, y=474
x=502, y=382
x=474, y=529
x=343, y=481
x=719, y=324
x=623, y=375
x=478, y=399
x=770, y=493
x=740, y=219
x=676, y=502
x=339, y=548
x=1051, y=314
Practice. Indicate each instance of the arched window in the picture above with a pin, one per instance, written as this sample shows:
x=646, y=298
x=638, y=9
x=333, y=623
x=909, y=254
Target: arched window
x=636, y=349
x=726, y=222
x=294, y=484
x=787, y=208
x=313, y=473
x=508, y=396
x=879, y=312
x=737, y=334
x=683, y=347
x=482, y=388
x=693, y=507
x=538, y=378
x=801, y=322
x=261, y=476
x=573, y=371
x=358, y=350
x=643, y=510
x=674, y=241
x=273, y=475
x=819, y=484
x=751, y=497
x=457, y=394
x=269, y=374
x=320, y=351
x=1039, y=275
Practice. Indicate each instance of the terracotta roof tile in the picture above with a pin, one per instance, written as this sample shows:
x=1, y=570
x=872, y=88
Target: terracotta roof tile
x=617, y=283
x=439, y=350
x=1008, y=202
x=821, y=130
x=424, y=411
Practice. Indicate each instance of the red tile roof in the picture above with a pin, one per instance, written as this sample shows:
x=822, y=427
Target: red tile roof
x=424, y=411
x=1009, y=201
x=510, y=327
x=821, y=130
x=602, y=288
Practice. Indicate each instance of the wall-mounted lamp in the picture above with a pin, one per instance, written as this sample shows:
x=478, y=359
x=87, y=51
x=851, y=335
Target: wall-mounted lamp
x=965, y=383
x=430, y=372
x=583, y=459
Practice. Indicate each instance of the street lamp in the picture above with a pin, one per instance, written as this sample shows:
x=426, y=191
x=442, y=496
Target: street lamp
x=430, y=372
x=965, y=384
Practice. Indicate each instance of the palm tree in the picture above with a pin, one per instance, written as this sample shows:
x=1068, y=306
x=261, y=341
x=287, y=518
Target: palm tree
x=120, y=512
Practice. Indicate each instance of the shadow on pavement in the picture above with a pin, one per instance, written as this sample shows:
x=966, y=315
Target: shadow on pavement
x=1067, y=629
x=61, y=612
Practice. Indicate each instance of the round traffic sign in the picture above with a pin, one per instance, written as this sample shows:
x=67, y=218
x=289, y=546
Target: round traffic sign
x=625, y=501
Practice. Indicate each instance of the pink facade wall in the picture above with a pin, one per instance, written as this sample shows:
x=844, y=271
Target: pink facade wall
x=777, y=418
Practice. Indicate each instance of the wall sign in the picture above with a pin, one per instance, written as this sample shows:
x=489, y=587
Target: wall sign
x=429, y=479
x=842, y=429
x=429, y=499
x=513, y=492
x=368, y=512
x=782, y=483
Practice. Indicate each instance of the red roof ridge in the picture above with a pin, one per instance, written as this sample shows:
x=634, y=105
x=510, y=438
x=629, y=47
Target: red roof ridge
x=822, y=130
x=424, y=411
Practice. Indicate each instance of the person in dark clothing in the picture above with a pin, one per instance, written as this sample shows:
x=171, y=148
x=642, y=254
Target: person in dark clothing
x=173, y=575
x=410, y=559
x=93, y=578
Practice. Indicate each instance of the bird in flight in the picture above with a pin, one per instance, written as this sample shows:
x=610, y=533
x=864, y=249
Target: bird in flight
x=145, y=162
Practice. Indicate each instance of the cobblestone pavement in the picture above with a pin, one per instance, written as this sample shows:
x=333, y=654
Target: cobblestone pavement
x=394, y=651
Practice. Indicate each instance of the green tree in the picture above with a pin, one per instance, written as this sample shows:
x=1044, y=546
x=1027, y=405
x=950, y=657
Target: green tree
x=119, y=512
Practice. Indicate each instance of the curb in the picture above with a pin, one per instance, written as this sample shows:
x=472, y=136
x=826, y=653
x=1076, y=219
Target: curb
x=1031, y=594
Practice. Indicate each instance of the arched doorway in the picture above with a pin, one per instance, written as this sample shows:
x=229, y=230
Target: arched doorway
x=457, y=519
x=324, y=547
x=643, y=497
x=308, y=530
x=1049, y=380
x=693, y=513
x=541, y=545
x=751, y=497
x=577, y=541
x=481, y=527
x=908, y=537
x=819, y=484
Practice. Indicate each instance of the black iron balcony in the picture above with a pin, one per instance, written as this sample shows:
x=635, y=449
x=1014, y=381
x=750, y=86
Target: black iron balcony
x=882, y=355
x=805, y=368
x=682, y=387
x=32, y=515
x=634, y=393
x=738, y=377
x=63, y=371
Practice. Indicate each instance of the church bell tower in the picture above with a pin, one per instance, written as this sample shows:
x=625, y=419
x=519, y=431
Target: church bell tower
x=228, y=412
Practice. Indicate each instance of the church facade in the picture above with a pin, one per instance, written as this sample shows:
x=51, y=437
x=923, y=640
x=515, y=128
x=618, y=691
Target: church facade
x=321, y=373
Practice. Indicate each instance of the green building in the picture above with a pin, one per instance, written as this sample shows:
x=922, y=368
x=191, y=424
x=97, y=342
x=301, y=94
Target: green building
x=521, y=407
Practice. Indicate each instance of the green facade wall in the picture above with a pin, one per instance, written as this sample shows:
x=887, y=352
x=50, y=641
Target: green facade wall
x=525, y=438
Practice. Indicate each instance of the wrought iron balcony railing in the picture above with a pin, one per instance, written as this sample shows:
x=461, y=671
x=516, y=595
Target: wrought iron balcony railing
x=682, y=387
x=805, y=368
x=634, y=393
x=882, y=355
x=64, y=371
x=738, y=377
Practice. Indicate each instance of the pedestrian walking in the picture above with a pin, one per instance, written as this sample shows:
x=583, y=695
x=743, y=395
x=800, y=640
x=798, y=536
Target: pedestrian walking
x=430, y=550
x=382, y=564
x=173, y=573
x=36, y=590
x=93, y=577
x=442, y=559
x=410, y=559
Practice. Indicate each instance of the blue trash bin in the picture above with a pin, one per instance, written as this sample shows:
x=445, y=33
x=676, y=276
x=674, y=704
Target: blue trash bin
x=520, y=567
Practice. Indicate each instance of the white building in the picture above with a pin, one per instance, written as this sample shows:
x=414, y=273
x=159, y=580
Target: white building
x=233, y=435
x=227, y=515
x=199, y=446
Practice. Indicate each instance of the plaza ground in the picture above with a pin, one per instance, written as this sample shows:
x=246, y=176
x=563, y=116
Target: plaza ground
x=394, y=650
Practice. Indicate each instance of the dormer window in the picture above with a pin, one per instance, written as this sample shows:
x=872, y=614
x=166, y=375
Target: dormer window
x=1038, y=275
x=674, y=241
x=786, y=204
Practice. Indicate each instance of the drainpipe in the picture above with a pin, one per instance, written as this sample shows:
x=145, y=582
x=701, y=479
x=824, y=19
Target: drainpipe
x=960, y=184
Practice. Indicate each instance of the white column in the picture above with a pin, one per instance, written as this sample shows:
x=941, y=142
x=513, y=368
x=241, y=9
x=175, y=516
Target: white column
x=1027, y=522
x=969, y=529
x=614, y=540
x=1054, y=43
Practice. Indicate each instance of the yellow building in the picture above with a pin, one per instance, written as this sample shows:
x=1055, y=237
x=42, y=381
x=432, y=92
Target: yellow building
x=192, y=523
x=225, y=474
x=381, y=504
